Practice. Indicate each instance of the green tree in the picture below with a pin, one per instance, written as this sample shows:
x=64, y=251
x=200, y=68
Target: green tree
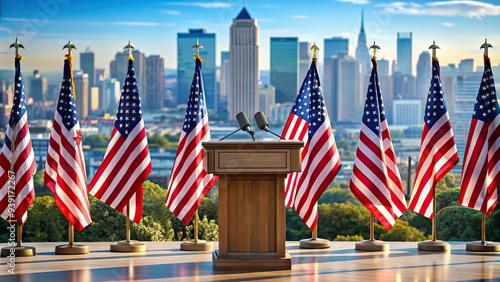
x=40, y=188
x=343, y=219
x=338, y=195
x=96, y=141
x=402, y=231
x=45, y=222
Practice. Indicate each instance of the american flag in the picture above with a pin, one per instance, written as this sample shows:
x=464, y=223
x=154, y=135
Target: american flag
x=438, y=151
x=65, y=165
x=481, y=167
x=17, y=181
x=189, y=181
x=308, y=122
x=375, y=178
x=127, y=164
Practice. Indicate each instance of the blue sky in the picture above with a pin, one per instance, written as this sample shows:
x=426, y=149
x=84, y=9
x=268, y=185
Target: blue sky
x=44, y=26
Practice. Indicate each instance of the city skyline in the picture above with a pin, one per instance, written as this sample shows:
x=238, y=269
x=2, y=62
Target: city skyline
x=43, y=27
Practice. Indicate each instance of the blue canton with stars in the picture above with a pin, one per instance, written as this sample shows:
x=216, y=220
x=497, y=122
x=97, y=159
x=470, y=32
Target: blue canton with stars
x=435, y=107
x=196, y=108
x=374, y=112
x=66, y=106
x=310, y=105
x=19, y=107
x=129, y=111
x=486, y=106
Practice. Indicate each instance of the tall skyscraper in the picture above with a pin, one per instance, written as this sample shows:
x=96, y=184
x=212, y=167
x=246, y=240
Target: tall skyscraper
x=82, y=93
x=383, y=67
x=118, y=69
x=285, y=68
x=424, y=73
x=304, y=60
x=223, y=84
x=335, y=45
x=404, y=45
x=185, y=65
x=342, y=88
x=38, y=88
x=466, y=66
x=155, y=71
x=87, y=65
x=362, y=54
x=243, y=93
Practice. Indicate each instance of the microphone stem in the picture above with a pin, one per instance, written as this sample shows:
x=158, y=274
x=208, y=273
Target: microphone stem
x=279, y=136
x=229, y=134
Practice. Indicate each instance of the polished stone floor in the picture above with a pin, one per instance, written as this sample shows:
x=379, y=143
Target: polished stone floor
x=164, y=261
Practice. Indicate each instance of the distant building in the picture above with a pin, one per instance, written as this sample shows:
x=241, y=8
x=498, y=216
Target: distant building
x=407, y=112
x=424, y=75
x=383, y=67
x=267, y=98
x=82, y=93
x=285, y=67
x=362, y=54
x=224, y=84
x=110, y=95
x=243, y=93
x=186, y=63
x=119, y=69
x=404, y=53
x=333, y=46
x=155, y=87
x=87, y=65
x=466, y=66
x=38, y=88
x=304, y=61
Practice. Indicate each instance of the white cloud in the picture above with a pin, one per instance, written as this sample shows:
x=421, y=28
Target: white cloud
x=171, y=12
x=356, y=2
x=454, y=8
x=207, y=5
x=447, y=24
x=300, y=17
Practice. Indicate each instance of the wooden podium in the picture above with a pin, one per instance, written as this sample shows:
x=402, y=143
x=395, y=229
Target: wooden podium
x=251, y=202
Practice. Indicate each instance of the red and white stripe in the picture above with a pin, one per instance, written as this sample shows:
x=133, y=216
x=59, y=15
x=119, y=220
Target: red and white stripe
x=125, y=166
x=481, y=167
x=189, y=181
x=375, y=179
x=65, y=174
x=24, y=169
x=438, y=155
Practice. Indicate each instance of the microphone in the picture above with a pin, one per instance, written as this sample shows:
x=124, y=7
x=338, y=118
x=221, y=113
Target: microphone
x=262, y=123
x=244, y=124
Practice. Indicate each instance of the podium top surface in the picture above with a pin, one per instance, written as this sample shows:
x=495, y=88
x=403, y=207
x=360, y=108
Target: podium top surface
x=239, y=144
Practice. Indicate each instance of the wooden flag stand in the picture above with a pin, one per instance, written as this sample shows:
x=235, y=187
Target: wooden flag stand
x=195, y=244
x=372, y=245
x=128, y=246
x=314, y=242
x=18, y=250
x=71, y=248
x=483, y=245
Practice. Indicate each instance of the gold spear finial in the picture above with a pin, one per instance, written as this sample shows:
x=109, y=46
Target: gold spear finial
x=375, y=48
x=69, y=46
x=486, y=45
x=434, y=47
x=129, y=46
x=16, y=45
x=314, y=48
x=197, y=46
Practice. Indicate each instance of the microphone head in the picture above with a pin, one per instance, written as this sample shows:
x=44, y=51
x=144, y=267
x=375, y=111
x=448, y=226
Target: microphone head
x=261, y=120
x=243, y=121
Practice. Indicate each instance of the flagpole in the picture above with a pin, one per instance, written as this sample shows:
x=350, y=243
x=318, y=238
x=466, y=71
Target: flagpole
x=19, y=249
x=195, y=244
x=71, y=248
x=128, y=245
x=372, y=244
x=434, y=245
x=314, y=242
x=483, y=245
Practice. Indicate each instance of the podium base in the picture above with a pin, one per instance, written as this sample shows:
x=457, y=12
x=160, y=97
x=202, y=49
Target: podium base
x=199, y=245
x=372, y=246
x=128, y=247
x=478, y=246
x=251, y=262
x=73, y=249
x=24, y=251
x=434, y=246
x=317, y=243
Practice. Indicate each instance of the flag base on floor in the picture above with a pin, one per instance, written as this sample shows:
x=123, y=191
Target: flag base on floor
x=72, y=249
x=479, y=246
x=23, y=251
x=317, y=243
x=128, y=247
x=197, y=245
x=372, y=246
x=434, y=246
